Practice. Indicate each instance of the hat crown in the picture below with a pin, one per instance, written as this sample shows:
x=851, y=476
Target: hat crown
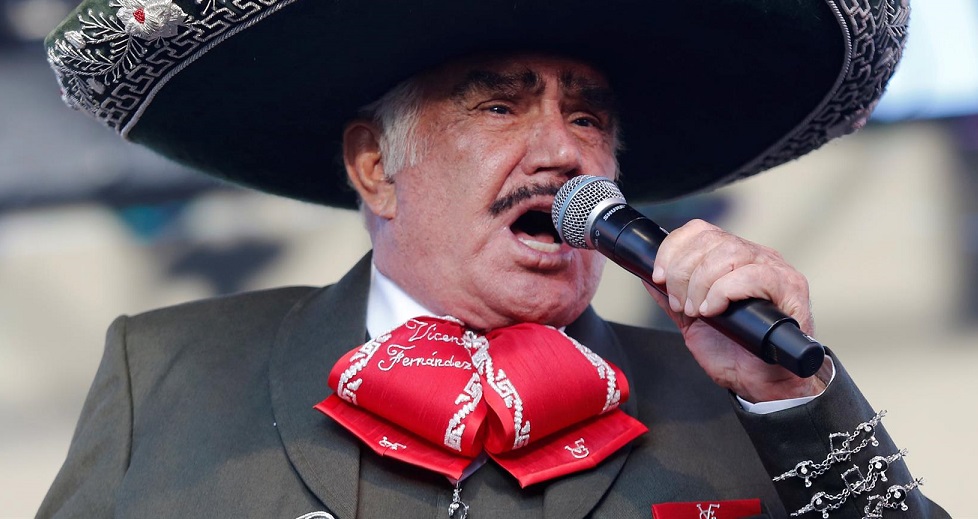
x=712, y=91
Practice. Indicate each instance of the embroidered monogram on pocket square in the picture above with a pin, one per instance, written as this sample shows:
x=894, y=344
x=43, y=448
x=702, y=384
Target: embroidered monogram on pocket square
x=735, y=509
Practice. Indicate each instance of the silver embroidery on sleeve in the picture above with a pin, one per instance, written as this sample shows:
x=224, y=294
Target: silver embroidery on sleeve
x=856, y=482
x=843, y=446
x=893, y=498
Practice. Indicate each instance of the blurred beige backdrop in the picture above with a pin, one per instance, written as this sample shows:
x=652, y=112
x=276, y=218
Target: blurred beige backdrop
x=874, y=220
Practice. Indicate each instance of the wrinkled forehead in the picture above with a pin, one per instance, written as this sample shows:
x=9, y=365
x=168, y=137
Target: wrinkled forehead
x=516, y=73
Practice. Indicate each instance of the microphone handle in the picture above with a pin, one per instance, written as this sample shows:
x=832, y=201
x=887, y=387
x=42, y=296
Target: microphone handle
x=632, y=240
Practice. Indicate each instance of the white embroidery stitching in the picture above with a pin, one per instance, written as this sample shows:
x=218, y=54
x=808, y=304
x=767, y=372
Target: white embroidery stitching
x=387, y=444
x=478, y=347
x=347, y=389
x=471, y=396
x=708, y=513
x=579, y=450
x=605, y=372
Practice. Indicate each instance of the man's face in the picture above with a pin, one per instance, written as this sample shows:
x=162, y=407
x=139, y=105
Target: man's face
x=468, y=233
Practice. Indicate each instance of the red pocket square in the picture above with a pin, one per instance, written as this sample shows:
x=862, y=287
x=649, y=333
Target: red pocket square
x=707, y=509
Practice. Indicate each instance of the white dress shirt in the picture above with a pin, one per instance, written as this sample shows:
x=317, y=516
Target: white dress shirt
x=389, y=306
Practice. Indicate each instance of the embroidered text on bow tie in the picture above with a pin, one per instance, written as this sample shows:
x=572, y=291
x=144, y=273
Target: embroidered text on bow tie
x=434, y=394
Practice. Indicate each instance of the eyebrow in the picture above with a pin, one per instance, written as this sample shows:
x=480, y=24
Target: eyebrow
x=591, y=92
x=493, y=82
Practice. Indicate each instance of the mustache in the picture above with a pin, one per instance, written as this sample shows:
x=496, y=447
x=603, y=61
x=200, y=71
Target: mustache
x=520, y=194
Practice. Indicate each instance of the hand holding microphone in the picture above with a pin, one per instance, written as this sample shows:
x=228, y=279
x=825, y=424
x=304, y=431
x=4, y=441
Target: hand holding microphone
x=590, y=212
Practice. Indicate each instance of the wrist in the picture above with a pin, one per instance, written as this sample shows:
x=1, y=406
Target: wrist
x=791, y=387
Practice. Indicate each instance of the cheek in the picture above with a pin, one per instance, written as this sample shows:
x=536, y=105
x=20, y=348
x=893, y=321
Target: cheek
x=607, y=165
x=489, y=156
x=589, y=275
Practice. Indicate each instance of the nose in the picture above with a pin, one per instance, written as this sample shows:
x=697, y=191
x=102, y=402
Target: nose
x=552, y=146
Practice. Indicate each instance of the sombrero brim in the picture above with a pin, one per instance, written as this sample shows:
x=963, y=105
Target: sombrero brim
x=710, y=90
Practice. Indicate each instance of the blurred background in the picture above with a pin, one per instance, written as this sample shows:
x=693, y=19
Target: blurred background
x=884, y=223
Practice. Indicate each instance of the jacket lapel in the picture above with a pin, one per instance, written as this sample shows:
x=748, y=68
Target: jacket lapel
x=314, y=335
x=330, y=322
x=575, y=496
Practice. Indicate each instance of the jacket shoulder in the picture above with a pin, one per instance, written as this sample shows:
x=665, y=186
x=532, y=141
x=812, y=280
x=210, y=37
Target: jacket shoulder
x=245, y=309
x=220, y=329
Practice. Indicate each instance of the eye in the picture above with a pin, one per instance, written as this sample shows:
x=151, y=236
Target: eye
x=499, y=109
x=587, y=122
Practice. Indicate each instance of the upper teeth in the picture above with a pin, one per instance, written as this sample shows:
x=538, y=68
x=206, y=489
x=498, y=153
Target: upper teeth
x=540, y=246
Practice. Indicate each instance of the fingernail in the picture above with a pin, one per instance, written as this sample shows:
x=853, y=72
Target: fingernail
x=674, y=304
x=689, y=307
x=658, y=274
x=704, y=307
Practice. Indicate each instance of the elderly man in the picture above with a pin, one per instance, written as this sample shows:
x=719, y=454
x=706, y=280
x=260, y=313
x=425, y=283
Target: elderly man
x=206, y=409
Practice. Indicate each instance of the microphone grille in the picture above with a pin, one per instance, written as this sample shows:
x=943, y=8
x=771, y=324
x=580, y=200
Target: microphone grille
x=573, y=205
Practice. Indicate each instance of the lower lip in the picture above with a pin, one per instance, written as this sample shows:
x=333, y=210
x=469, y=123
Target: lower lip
x=547, y=248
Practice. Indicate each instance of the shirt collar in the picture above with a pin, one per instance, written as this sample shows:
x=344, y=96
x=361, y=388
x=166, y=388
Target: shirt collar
x=388, y=306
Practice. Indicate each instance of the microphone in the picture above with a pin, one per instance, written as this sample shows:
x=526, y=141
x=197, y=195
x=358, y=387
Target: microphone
x=590, y=213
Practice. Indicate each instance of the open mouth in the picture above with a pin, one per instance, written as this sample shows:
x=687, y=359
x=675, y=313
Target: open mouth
x=536, y=230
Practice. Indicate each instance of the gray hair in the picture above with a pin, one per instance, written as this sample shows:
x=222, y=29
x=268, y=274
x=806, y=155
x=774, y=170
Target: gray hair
x=397, y=113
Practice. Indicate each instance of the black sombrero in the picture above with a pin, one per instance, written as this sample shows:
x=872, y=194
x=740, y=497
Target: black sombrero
x=257, y=91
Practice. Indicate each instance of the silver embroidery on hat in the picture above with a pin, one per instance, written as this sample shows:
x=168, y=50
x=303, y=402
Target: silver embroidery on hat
x=113, y=73
x=114, y=65
x=873, y=44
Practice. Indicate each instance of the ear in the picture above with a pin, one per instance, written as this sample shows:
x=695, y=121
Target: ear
x=365, y=168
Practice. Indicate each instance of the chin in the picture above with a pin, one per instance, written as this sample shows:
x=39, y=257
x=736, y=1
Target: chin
x=556, y=309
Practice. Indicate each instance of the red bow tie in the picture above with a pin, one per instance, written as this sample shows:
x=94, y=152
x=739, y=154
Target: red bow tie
x=436, y=395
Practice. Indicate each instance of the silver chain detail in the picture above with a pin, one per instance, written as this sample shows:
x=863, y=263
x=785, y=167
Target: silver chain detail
x=893, y=499
x=457, y=505
x=864, y=433
x=856, y=484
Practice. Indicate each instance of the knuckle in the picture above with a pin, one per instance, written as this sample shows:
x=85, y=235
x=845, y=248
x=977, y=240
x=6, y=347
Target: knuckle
x=734, y=252
x=679, y=276
x=772, y=255
x=799, y=283
x=701, y=226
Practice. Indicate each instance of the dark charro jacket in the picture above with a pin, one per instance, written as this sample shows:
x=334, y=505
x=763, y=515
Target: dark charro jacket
x=206, y=410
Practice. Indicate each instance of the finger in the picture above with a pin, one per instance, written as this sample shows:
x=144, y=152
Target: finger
x=725, y=255
x=780, y=284
x=677, y=257
x=673, y=245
